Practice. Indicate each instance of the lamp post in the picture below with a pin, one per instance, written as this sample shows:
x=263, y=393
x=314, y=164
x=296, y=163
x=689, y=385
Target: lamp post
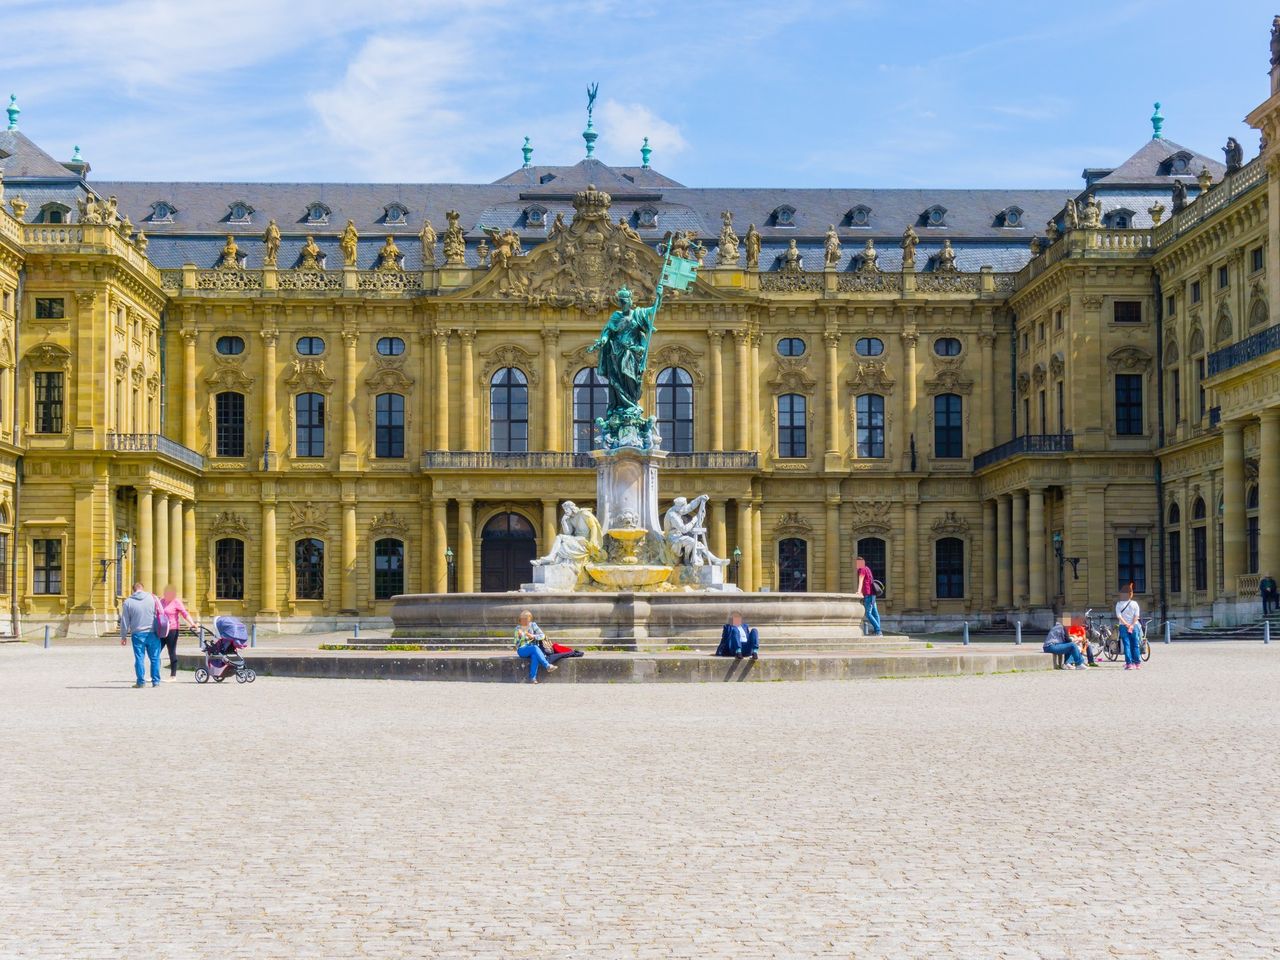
x=122, y=550
x=737, y=564
x=1063, y=560
x=451, y=564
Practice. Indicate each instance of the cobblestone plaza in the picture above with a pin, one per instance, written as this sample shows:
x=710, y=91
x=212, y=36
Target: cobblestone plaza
x=1050, y=815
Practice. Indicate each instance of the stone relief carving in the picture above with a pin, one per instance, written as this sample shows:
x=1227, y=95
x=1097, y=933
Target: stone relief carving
x=951, y=523
x=48, y=355
x=509, y=355
x=674, y=355
x=1129, y=358
x=871, y=516
x=308, y=518
x=228, y=522
x=308, y=373
x=389, y=522
x=793, y=523
x=790, y=375
x=871, y=376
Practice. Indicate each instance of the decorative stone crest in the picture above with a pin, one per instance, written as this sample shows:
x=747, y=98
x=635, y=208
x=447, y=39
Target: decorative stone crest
x=47, y=355
x=1057, y=365
x=871, y=516
x=791, y=375
x=950, y=378
x=389, y=522
x=509, y=355
x=871, y=375
x=1024, y=382
x=308, y=373
x=389, y=380
x=1038, y=374
x=673, y=355
x=1129, y=358
x=229, y=523
x=951, y=523
x=793, y=524
x=230, y=376
x=308, y=518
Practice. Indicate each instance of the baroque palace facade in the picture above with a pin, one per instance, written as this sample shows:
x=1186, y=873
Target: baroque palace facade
x=295, y=401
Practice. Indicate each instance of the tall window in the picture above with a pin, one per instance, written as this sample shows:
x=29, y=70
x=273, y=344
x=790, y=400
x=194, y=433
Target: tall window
x=1026, y=415
x=1199, y=547
x=590, y=400
x=793, y=565
x=1252, y=530
x=388, y=568
x=948, y=425
x=872, y=550
x=948, y=561
x=870, y=407
x=1062, y=408
x=228, y=569
x=1175, y=561
x=4, y=558
x=792, y=426
x=1044, y=415
x=46, y=566
x=1128, y=404
x=1131, y=563
x=1204, y=406
x=228, y=422
x=675, y=409
x=509, y=411
x=388, y=429
x=49, y=388
x=1176, y=386
x=309, y=408
x=308, y=569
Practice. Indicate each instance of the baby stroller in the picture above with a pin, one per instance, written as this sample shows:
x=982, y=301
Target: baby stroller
x=221, y=649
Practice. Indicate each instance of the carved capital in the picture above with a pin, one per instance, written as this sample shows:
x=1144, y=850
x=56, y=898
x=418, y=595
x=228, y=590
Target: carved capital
x=85, y=299
x=1092, y=302
x=551, y=337
x=986, y=338
x=909, y=340
x=350, y=338
x=466, y=334
x=269, y=337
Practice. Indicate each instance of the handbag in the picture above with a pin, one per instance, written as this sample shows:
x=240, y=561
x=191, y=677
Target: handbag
x=162, y=618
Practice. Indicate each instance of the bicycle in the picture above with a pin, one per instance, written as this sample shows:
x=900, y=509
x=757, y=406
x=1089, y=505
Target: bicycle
x=1099, y=633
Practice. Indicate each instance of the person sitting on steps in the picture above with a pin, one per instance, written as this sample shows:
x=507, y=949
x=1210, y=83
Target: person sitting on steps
x=1059, y=642
x=528, y=642
x=738, y=639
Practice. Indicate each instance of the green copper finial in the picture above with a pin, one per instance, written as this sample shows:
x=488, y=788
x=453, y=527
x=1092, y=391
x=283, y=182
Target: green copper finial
x=75, y=155
x=1157, y=122
x=13, y=111
x=590, y=134
x=527, y=151
x=645, y=152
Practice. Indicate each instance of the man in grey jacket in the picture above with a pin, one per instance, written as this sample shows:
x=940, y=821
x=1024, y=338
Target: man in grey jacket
x=138, y=625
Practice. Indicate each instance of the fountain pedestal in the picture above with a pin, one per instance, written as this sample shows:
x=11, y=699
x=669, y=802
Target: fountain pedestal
x=627, y=488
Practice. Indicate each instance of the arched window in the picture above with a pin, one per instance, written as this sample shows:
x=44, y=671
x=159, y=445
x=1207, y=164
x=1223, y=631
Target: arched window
x=509, y=411
x=228, y=569
x=388, y=435
x=309, y=425
x=675, y=409
x=1253, y=531
x=869, y=346
x=388, y=568
x=590, y=400
x=792, y=426
x=870, y=426
x=948, y=426
x=793, y=565
x=948, y=559
x=872, y=551
x=1198, y=509
x=1175, y=515
x=1199, y=546
x=228, y=422
x=308, y=569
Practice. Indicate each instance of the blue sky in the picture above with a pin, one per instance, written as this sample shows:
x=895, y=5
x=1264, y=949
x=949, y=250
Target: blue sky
x=875, y=93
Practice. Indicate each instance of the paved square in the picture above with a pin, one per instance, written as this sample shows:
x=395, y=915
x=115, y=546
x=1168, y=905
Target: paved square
x=1055, y=815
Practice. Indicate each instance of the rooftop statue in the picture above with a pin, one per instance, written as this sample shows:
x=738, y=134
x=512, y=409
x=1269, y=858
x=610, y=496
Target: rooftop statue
x=1235, y=155
x=753, y=247
x=909, y=240
x=1275, y=42
x=728, y=254
x=1091, y=216
x=428, y=238
x=624, y=228
x=1179, y=195
x=831, y=247
x=455, y=245
x=271, y=241
x=792, y=260
x=348, y=243
x=506, y=245
x=1070, y=216
x=230, y=258
x=558, y=226
x=389, y=256
x=869, y=256
x=946, y=258
x=311, y=256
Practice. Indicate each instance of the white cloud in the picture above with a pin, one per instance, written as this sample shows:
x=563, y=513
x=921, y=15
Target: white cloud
x=625, y=125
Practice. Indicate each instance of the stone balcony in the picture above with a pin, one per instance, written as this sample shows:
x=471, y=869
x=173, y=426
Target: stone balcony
x=1034, y=444
x=86, y=238
x=1250, y=348
x=155, y=443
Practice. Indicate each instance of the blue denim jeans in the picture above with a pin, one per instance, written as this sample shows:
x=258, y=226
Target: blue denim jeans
x=1067, y=649
x=872, y=623
x=146, y=644
x=1131, y=641
x=533, y=653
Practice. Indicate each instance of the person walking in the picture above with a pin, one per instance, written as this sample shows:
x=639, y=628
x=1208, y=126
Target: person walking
x=1270, y=599
x=173, y=608
x=867, y=588
x=529, y=637
x=1128, y=612
x=138, y=616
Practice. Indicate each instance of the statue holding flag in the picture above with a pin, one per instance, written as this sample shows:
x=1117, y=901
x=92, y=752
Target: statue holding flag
x=623, y=346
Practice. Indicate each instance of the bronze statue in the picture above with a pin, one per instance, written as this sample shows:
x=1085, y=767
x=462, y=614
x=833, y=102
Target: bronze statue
x=623, y=346
x=753, y=247
x=271, y=240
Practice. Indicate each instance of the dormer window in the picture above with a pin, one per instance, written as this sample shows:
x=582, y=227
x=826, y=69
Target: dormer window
x=860, y=216
x=1120, y=219
x=784, y=216
x=535, y=216
x=239, y=212
x=162, y=212
x=546, y=178
x=1178, y=164
x=935, y=216
x=395, y=213
x=1011, y=217
x=318, y=213
x=54, y=213
x=647, y=218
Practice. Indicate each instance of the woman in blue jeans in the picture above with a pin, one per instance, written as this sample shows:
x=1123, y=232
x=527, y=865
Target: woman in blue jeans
x=1127, y=613
x=529, y=637
x=1059, y=642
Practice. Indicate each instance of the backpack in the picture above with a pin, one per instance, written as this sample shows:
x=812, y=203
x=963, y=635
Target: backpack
x=878, y=586
x=162, y=618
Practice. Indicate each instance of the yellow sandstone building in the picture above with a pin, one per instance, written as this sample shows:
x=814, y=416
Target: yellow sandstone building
x=295, y=401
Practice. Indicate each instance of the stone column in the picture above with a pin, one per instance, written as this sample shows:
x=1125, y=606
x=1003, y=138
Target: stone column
x=270, y=591
x=190, y=437
x=161, y=540
x=550, y=395
x=470, y=426
x=189, y=552
x=1004, y=553
x=715, y=367
x=741, y=369
x=349, y=339
x=1233, y=518
x=757, y=538
x=439, y=543
x=746, y=545
x=1099, y=578
x=428, y=393
x=831, y=410
x=753, y=397
x=549, y=527
x=988, y=342
x=913, y=561
x=833, y=538
x=146, y=539
x=441, y=387
x=718, y=536
x=347, y=589
x=80, y=551
x=909, y=341
x=466, y=541
x=989, y=554
x=1021, y=587
x=1035, y=560
x=175, y=545
x=269, y=338
x=1269, y=493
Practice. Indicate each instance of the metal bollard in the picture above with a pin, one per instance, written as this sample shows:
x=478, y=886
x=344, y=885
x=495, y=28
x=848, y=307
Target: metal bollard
x=46, y=636
x=966, y=633
x=1017, y=631
x=253, y=635
x=357, y=630
x=1168, y=632
x=1266, y=631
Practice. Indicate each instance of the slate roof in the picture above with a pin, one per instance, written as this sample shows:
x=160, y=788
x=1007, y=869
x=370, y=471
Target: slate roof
x=1148, y=167
x=20, y=157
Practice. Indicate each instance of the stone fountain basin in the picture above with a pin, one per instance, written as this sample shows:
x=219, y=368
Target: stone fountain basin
x=628, y=576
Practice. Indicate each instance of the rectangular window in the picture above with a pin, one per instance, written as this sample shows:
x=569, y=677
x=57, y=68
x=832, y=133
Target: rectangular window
x=1177, y=395
x=1026, y=343
x=388, y=569
x=874, y=553
x=228, y=416
x=1195, y=291
x=1224, y=277
x=1057, y=320
x=1200, y=557
x=46, y=567
x=948, y=426
x=4, y=562
x=792, y=426
x=1129, y=404
x=310, y=424
x=870, y=409
x=49, y=390
x=1171, y=305
x=1044, y=414
x=1131, y=554
x=1204, y=406
x=1127, y=311
x=388, y=440
x=1175, y=561
x=949, y=567
x=1252, y=532
x=1255, y=259
x=228, y=563
x=1040, y=331
x=50, y=308
x=1062, y=408
x=1026, y=416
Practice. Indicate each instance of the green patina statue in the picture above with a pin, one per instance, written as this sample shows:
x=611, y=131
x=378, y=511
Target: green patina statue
x=623, y=346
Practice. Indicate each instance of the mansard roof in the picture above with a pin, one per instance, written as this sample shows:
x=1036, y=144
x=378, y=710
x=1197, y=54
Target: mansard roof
x=21, y=158
x=1150, y=167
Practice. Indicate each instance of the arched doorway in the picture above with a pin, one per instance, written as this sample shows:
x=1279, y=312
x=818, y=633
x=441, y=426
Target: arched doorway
x=506, y=551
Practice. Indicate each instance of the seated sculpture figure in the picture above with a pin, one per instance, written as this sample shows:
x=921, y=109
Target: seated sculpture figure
x=580, y=538
x=685, y=529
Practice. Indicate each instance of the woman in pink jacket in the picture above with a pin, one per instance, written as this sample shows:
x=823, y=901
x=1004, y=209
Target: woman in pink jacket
x=173, y=609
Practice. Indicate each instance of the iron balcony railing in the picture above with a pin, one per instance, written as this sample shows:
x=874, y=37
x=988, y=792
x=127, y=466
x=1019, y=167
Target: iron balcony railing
x=155, y=443
x=551, y=460
x=1032, y=443
x=1250, y=348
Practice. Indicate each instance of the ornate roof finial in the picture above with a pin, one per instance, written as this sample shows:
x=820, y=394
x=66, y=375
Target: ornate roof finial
x=13, y=111
x=75, y=155
x=527, y=151
x=645, y=151
x=1157, y=122
x=590, y=134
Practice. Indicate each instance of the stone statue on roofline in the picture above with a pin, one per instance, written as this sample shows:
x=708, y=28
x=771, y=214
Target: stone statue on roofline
x=1235, y=155
x=624, y=228
x=311, y=256
x=428, y=238
x=389, y=255
x=506, y=245
x=753, y=247
x=792, y=260
x=455, y=244
x=230, y=258
x=1179, y=196
x=728, y=253
x=831, y=247
x=909, y=240
x=946, y=258
x=1035, y=247
x=348, y=244
x=869, y=258
x=1275, y=42
x=1091, y=215
x=1070, y=216
x=1051, y=231
x=271, y=244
